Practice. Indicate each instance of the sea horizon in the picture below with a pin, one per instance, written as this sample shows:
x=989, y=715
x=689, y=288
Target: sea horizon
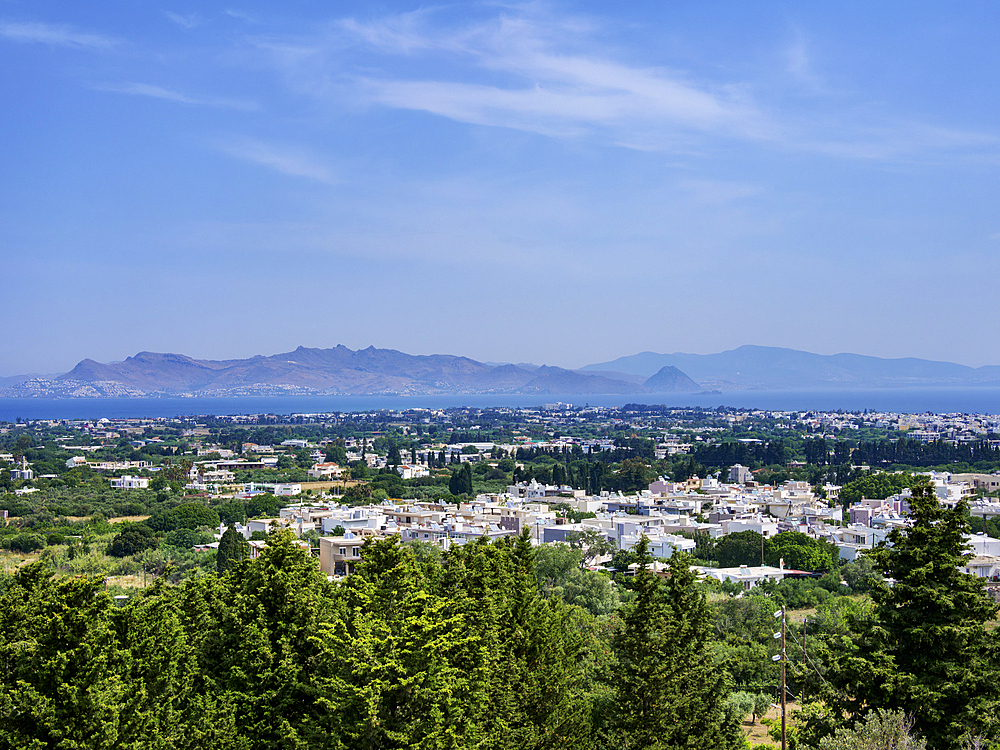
x=938, y=400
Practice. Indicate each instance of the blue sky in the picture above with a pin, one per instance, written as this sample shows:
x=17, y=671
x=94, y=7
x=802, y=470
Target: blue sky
x=551, y=182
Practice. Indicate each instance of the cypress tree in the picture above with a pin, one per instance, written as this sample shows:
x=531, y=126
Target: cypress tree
x=461, y=480
x=668, y=692
x=467, y=479
x=232, y=549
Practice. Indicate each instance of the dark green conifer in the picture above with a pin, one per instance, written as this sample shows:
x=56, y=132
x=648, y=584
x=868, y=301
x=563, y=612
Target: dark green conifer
x=232, y=550
x=668, y=693
x=925, y=651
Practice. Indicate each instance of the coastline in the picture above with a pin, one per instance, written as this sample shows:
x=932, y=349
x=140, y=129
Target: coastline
x=940, y=400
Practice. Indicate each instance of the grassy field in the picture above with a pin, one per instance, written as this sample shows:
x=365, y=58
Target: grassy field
x=756, y=733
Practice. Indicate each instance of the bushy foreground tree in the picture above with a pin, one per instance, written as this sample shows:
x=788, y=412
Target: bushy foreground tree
x=882, y=730
x=924, y=651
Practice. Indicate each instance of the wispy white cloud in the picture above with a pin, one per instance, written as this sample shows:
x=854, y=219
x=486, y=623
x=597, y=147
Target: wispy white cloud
x=59, y=35
x=895, y=140
x=188, y=22
x=241, y=16
x=532, y=70
x=553, y=91
x=158, y=92
x=799, y=62
x=289, y=161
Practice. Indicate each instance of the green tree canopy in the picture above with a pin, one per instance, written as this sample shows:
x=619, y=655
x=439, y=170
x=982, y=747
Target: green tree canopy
x=741, y=548
x=800, y=551
x=264, y=505
x=184, y=516
x=633, y=475
x=874, y=487
x=132, y=540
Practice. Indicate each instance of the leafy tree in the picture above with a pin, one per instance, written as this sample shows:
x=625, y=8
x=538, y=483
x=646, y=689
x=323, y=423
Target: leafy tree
x=800, y=551
x=743, y=629
x=25, y=543
x=186, y=538
x=558, y=572
x=389, y=482
x=592, y=543
x=882, y=730
x=264, y=505
x=232, y=512
x=184, y=516
x=741, y=548
x=633, y=475
x=874, y=487
x=925, y=651
x=132, y=540
x=336, y=453
x=622, y=559
x=761, y=704
x=358, y=494
x=739, y=705
x=860, y=574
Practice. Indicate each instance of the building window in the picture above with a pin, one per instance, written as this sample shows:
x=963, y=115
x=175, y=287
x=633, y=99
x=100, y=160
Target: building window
x=357, y=552
x=343, y=551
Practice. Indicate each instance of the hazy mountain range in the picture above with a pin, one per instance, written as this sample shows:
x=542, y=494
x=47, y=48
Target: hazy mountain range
x=342, y=371
x=336, y=371
x=774, y=368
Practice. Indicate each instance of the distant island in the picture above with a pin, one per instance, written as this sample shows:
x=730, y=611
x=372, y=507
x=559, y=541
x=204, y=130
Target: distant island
x=337, y=371
x=340, y=371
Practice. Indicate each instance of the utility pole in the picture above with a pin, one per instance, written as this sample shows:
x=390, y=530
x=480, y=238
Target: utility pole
x=805, y=627
x=783, y=686
x=782, y=658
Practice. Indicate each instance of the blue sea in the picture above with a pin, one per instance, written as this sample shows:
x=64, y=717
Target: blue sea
x=940, y=400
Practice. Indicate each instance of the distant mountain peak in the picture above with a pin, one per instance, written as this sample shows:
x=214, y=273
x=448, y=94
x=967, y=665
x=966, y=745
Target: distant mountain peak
x=669, y=379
